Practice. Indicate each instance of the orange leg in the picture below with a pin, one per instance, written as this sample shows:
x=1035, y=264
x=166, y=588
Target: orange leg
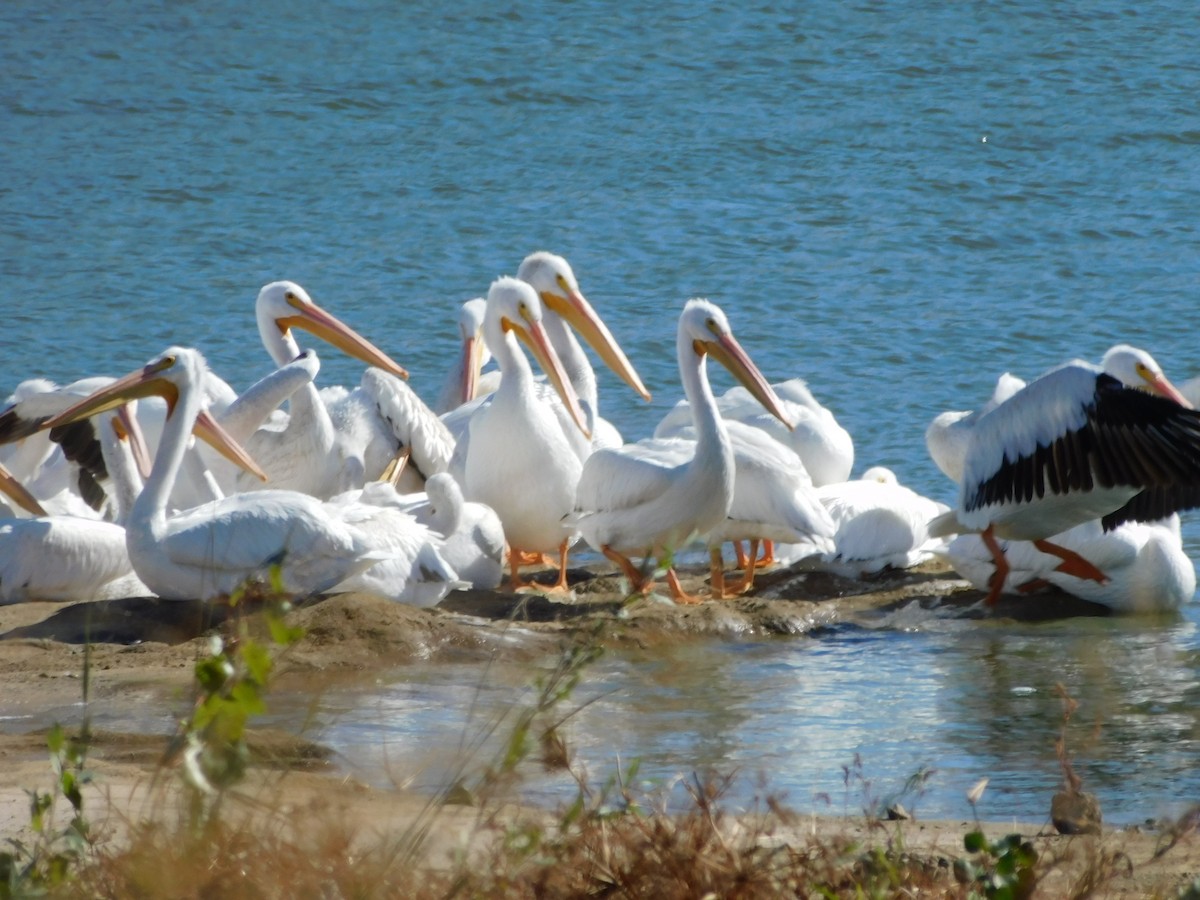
x=717, y=573
x=678, y=594
x=1034, y=584
x=560, y=586
x=746, y=582
x=742, y=562
x=515, y=558
x=768, y=557
x=996, y=582
x=532, y=558
x=1072, y=563
x=638, y=583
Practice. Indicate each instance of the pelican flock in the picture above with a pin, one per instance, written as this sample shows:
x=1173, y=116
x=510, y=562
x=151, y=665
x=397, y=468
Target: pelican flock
x=1074, y=480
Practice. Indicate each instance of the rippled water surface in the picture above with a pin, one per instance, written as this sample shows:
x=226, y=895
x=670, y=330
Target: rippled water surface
x=895, y=201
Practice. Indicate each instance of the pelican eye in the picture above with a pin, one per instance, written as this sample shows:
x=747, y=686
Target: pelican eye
x=562, y=282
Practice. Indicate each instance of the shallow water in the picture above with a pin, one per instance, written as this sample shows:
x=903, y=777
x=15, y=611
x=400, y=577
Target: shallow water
x=957, y=699
x=895, y=201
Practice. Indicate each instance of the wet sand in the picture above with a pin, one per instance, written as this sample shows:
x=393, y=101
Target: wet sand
x=143, y=652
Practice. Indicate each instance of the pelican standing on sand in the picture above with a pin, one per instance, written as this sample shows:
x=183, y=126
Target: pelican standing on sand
x=1081, y=442
x=519, y=460
x=630, y=502
x=213, y=549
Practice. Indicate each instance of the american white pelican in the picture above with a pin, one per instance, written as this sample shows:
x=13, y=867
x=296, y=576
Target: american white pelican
x=824, y=446
x=879, y=523
x=564, y=308
x=562, y=300
x=315, y=452
x=466, y=380
x=66, y=557
x=948, y=434
x=1145, y=565
x=68, y=468
x=773, y=500
x=1081, y=442
x=633, y=502
x=518, y=460
x=414, y=571
x=40, y=463
x=472, y=536
x=213, y=549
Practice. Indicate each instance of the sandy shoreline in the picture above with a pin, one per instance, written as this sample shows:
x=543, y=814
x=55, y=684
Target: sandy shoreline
x=144, y=650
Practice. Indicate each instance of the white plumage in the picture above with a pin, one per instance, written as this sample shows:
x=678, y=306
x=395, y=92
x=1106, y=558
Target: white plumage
x=823, y=445
x=213, y=549
x=518, y=460
x=773, y=498
x=878, y=523
x=634, y=500
x=313, y=450
x=1144, y=563
x=1081, y=442
x=64, y=557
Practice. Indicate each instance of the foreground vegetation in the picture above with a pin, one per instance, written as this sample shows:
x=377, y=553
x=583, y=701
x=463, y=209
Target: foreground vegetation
x=220, y=826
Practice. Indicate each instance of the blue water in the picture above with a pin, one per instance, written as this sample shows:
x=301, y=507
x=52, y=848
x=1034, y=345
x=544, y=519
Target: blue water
x=895, y=201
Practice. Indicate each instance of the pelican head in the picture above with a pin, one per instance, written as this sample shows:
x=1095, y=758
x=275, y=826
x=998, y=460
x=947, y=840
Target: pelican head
x=513, y=306
x=283, y=305
x=551, y=276
x=166, y=376
x=705, y=325
x=1137, y=369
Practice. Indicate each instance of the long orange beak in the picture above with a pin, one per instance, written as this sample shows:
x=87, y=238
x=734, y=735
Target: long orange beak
x=329, y=328
x=210, y=431
x=533, y=336
x=728, y=352
x=1160, y=385
x=470, y=366
x=18, y=494
x=583, y=318
x=129, y=429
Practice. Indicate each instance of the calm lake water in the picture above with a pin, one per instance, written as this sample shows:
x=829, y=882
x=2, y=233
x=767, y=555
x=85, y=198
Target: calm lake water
x=895, y=201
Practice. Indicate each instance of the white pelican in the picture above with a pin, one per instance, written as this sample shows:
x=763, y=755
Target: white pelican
x=68, y=468
x=466, y=380
x=555, y=282
x=213, y=549
x=824, y=446
x=879, y=523
x=948, y=434
x=472, y=536
x=1146, y=567
x=66, y=557
x=773, y=500
x=66, y=472
x=315, y=452
x=633, y=502
x=563, y=305
x=1080, y=442
x=414, y=570
x=518, y=460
